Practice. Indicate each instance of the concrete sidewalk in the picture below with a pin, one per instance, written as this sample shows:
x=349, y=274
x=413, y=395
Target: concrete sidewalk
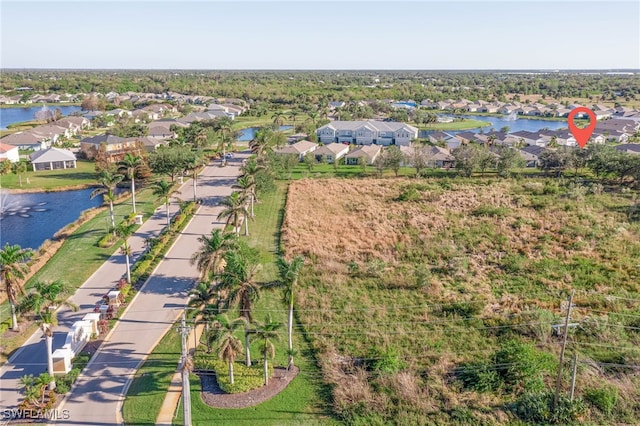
x=31, y=358
x=172, y=400
x=97, y=397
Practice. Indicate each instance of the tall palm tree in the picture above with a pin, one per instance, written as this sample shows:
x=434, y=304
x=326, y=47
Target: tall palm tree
x=247, y=186
x=108, y=182
x=229, y=346
x=12, y=269
x=289, y=272
x=200, y=299
x=237, y=281
x=194, y=166
x=278, y=118
x=235, y=208
x=292, y=116
x=251, y=169
x=124, y=231
x=267, y=332
x=129, y=165
x=165, y=190
x=210, y=258
x=44, y=301
x=313, y=118
x=261, y=141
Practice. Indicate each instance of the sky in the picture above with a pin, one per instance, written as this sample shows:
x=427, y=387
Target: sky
x=413, y=35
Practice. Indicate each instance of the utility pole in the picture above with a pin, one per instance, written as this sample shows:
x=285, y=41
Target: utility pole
x=186, y=389
x=573, y=375
x=564, y=344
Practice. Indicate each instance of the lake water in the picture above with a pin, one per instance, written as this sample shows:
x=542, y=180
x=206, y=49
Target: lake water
x=514, y=125
x=30, y=219
x=250, y=133
x=18, y=115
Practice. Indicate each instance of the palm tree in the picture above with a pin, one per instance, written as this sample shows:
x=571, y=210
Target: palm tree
x=44, y=301
x=313, y=118
x=200, y=298
x=278, y=117
x=209, y=259
x=292, y=116
x=247, y=186
x=193, y=166
x=235, y=208
x=124, y=231
x=289, y=272
x=130, y=165
x=108, y=182
x=165, y=190
x=238, y=282
x=261, y=141
x=13, y=269
x=267, y=332
x=251, y=169
x=229, y=346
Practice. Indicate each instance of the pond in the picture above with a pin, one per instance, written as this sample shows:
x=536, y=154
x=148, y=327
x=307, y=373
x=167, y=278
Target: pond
x=250, y=133
x=30, y=219
x=514, y=123
x=18, y=115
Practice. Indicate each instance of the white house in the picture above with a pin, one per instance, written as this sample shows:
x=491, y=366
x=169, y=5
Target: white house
x=53, y=159
x=9, y=153
x=367, y=133
x=368, y=153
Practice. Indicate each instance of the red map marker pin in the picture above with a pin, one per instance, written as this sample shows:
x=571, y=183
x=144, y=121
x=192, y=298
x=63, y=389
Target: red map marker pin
x=582, y=135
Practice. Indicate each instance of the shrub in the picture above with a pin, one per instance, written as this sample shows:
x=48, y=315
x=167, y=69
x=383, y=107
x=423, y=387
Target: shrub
x=604, y=399
x=409, y=193
x=387, y=361
x=537, y=408
x=107, y=241
x=479, y=376
x=245, y=378
x=522, y=365
x=490, y=211
x=462, y=309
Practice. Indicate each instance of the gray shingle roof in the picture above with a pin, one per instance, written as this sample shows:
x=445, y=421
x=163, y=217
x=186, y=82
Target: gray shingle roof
x=52, y=155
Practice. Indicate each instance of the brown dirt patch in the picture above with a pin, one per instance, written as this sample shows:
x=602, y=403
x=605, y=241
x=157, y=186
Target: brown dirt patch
x=213, y=396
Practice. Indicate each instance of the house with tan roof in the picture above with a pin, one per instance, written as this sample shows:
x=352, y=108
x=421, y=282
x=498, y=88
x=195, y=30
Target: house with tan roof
x=300, y=149
x=331, y=152
x=26, y=140
x=368, y=153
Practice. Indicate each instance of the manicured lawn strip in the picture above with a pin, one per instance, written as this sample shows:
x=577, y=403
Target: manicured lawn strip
x=151, y=383
x=83, y=175
x=302, y=401
x=79, y=257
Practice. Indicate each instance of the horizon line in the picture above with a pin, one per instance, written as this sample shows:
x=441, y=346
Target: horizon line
x=554, y=70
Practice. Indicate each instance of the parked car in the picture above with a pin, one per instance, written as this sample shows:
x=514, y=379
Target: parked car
x=229, y=155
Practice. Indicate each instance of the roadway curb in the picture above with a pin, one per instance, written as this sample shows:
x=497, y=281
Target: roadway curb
x=106, y=339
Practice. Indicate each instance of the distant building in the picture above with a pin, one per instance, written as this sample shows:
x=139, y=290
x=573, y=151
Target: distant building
x=369, y=132
x=9, y=153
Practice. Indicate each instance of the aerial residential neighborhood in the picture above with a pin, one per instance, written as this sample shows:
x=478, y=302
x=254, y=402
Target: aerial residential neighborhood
x=309, y=213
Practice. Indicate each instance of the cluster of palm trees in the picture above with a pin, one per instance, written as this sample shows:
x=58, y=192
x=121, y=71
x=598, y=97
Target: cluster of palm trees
x=228, y=272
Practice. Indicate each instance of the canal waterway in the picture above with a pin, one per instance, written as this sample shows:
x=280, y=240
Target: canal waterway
x=19, y=114
x=30, y=219
x=515, y=124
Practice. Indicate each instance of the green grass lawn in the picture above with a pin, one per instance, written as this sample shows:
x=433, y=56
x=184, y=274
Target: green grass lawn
x=79, y=256
x=302, y=402
x=83, y=175
x=151, y=382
